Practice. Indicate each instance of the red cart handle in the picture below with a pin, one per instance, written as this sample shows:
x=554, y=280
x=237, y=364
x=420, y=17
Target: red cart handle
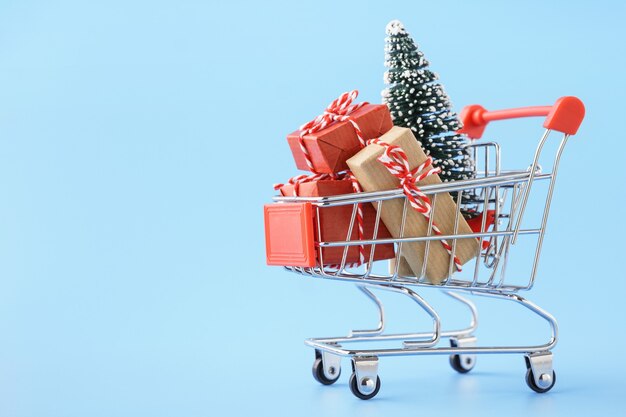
x=564, y=116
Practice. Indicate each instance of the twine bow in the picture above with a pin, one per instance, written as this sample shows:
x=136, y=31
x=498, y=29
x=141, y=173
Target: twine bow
x=337, y=111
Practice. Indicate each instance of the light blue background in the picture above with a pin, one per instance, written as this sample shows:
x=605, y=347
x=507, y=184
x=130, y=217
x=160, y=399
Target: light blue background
x=139, y=141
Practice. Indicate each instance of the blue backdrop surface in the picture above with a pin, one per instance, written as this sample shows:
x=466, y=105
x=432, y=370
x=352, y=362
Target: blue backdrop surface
x=139, y=141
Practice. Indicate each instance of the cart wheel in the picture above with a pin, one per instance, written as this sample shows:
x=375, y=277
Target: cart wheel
x=462, y=364
x=355, y=388
x=530, y=380
x=318, y=373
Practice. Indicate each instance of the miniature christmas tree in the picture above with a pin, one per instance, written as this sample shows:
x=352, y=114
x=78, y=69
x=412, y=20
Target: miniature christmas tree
x=417, y=102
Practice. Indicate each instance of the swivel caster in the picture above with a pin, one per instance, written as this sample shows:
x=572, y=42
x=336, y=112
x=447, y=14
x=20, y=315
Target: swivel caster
x=364, y=381
x=326, y=368
x=462, y=363
x=540, y=375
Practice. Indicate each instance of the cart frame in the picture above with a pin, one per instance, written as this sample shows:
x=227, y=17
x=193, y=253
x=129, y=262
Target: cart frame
x=490, y=188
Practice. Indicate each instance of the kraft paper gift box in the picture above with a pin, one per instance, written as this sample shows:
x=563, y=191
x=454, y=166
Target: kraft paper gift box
x=374, y=176
x=335, y=222
x=329, y=148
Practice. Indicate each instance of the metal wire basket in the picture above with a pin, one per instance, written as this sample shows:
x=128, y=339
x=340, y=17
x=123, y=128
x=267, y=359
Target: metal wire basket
x=505, y=194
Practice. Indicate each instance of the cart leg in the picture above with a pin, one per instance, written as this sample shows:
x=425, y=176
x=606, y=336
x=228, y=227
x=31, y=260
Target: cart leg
x=381, y=315
x=471, y=307
x=540, y=375
x=464, y=363
x=364, y=382
x=554, y=328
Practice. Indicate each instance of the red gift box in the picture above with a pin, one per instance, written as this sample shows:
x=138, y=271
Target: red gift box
x=330, y=147
x=291, y=230
x=289, y=237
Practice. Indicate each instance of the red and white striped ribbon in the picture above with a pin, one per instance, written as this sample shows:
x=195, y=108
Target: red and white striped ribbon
x=337, y=111
x=397, y=162
x=301, y=179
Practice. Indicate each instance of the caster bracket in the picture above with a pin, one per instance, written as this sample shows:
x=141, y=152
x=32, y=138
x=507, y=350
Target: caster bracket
x=467, y=361
x=366, y=371
x=331, y=364
x=540, y=364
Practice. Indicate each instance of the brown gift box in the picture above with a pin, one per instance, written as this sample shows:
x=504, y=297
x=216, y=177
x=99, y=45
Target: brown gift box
x=374, y=176
x=404, y=269
x=330, y=147
x=335, y=221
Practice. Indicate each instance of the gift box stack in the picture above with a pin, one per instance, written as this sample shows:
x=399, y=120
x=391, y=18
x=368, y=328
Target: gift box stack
x=323, y=147
x=350, y=148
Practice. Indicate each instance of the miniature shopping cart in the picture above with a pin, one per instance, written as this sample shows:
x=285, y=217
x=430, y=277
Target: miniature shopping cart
x=506, y=196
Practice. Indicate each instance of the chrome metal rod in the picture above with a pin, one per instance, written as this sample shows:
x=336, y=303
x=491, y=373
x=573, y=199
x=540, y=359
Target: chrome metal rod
x=385, y=280
x=425, y=238
x=381, y=315
x=429, y=232
x=436, y=334
x=329, y=344
x=448, y=187
x=372, y=250
x=546, y=210
x=455, y=231
x=472, y=308
x=348, y=237
x=388, y=337
x=529, y=186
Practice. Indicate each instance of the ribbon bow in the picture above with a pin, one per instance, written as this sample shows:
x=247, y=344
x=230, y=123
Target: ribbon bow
x=397, y=163
x=337, y=111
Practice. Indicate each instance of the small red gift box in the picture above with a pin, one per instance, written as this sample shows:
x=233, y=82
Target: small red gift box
x=289, y=237
x=291, y=229
x=330, y=147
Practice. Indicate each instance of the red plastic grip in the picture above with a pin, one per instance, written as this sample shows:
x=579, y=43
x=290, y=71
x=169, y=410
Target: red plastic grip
x=564, y=116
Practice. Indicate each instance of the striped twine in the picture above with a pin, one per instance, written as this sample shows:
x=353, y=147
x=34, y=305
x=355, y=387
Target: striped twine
x=397, y=163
